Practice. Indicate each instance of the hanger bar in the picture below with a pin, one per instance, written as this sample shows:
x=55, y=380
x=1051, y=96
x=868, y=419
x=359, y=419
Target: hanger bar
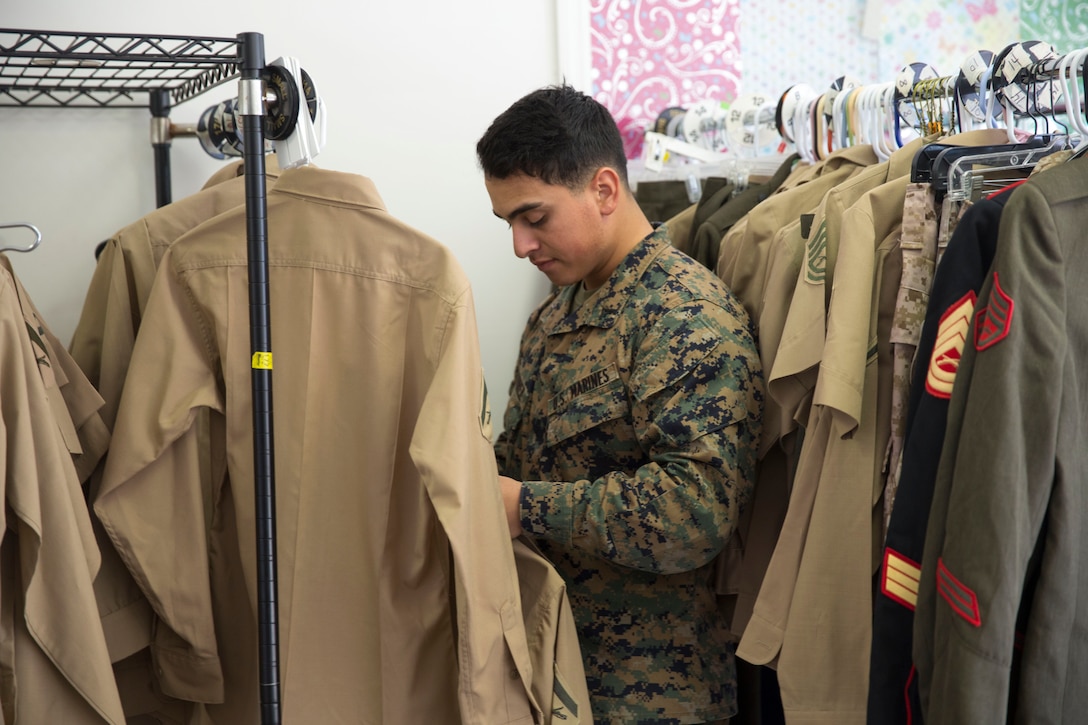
x=1044, y=70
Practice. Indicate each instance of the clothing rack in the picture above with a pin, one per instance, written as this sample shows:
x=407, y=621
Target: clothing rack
x=63, y=69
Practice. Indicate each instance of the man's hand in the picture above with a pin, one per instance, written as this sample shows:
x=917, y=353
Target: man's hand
x=511, y=500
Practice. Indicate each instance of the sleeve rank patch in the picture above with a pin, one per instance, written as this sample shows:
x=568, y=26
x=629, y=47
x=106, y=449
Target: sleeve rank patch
x=564, y=706
x=486, y=428
x=900, y=578
x=952, y=333
x=994, y=320
x=959, y=596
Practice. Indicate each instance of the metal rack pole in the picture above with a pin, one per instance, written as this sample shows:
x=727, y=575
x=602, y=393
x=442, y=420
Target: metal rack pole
x=160, y=144
x=251, y=102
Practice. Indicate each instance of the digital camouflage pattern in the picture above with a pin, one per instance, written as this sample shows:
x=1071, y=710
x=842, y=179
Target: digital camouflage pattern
x=634, y=422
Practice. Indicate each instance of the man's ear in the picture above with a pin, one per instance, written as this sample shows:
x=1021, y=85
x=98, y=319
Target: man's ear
x=607, y=189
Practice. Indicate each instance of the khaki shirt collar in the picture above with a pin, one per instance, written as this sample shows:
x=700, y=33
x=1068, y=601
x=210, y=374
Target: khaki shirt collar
x=901, y=160
x=330, y=187
x=860, y=155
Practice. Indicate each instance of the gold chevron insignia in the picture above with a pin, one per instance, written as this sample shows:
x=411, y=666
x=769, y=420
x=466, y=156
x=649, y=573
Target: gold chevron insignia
x=900, y=579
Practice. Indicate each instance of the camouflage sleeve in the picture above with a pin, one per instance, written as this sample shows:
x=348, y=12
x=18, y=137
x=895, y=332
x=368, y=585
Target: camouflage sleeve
x=696, y=396
x=504, y=443
x=505, y=453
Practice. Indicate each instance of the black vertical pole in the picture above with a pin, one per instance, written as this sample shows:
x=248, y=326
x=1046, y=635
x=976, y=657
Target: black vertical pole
x=160, y=144
x=251, y=103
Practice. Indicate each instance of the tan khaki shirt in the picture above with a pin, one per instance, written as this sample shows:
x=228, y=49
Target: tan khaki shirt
x=118, y=292
x=791, y=591
x=54, y=665
x=102, y=346
x=384, y=472
x=744, y=262
x=559, y=677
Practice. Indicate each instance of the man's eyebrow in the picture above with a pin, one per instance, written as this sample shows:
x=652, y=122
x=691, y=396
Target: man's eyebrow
x=519, y=211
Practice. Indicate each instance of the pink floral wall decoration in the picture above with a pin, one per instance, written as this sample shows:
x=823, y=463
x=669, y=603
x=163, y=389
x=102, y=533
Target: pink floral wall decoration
x=650, y=55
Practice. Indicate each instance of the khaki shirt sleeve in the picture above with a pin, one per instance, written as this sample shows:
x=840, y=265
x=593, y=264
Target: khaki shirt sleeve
x=86, y=346
x=451, y=447
x=106, y=333
x=151, y=490
x=51, y=640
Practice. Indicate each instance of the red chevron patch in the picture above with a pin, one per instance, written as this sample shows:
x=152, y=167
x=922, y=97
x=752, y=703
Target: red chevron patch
x=959, y=596
x=993, y=321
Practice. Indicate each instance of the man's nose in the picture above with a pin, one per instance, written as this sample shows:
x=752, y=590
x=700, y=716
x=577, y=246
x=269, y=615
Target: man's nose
x=524, y=242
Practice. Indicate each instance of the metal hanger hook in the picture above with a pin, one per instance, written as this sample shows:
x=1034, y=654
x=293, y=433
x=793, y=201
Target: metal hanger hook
x=23, y=225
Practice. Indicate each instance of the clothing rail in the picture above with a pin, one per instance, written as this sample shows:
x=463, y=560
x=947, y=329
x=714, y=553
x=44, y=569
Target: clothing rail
x=95, y=70
x=105, y=70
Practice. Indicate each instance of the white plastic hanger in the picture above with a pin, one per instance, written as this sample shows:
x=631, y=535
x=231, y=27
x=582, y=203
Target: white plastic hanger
x=1070, y=68
x=885, y=120
x=869, y=108
x=1070, y=91
x=802, y=124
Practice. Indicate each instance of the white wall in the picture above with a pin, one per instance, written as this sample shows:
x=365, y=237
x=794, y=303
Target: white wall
x=410, y=87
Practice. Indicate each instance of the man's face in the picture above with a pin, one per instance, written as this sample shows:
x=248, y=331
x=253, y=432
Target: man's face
x=559, y=230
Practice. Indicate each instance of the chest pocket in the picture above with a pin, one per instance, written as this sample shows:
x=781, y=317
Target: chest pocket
x=569, y=415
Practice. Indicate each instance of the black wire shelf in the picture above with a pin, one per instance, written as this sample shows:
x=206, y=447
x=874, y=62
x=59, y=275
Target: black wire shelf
x=105, y=70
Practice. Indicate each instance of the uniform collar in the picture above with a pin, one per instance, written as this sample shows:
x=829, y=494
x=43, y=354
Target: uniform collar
x=901, y=160
x=330, y=187
x=859, y=155
x=604, y=306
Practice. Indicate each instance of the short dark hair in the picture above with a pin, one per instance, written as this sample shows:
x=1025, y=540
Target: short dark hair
x=556, y=134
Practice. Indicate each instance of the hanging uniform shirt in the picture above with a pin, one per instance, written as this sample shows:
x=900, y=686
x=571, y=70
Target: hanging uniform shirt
x=707, y=233
x=387, y=497
x=1008, y=503
x=632, y=423
x=661, y=200
x=121, y=283
x=559, y=680
x=892, y=684
x=77, y=407
x=794, y=251
x=54, y=665
x=742, y=254
x=919, y=245
x=102, y=346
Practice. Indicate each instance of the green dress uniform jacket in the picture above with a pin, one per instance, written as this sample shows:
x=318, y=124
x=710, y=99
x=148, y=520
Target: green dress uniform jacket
x=633, y=422
x=388, y=506
x=1007, y=535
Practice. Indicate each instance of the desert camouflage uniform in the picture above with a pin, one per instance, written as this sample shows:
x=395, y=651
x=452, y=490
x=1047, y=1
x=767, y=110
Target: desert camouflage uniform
x=633, y=421
x=919, y=246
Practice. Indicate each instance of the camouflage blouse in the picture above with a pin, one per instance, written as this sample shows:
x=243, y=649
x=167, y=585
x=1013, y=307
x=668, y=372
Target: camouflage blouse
x=633, y=421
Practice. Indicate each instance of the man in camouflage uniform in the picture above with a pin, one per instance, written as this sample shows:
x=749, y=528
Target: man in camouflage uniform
x=631, y=432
